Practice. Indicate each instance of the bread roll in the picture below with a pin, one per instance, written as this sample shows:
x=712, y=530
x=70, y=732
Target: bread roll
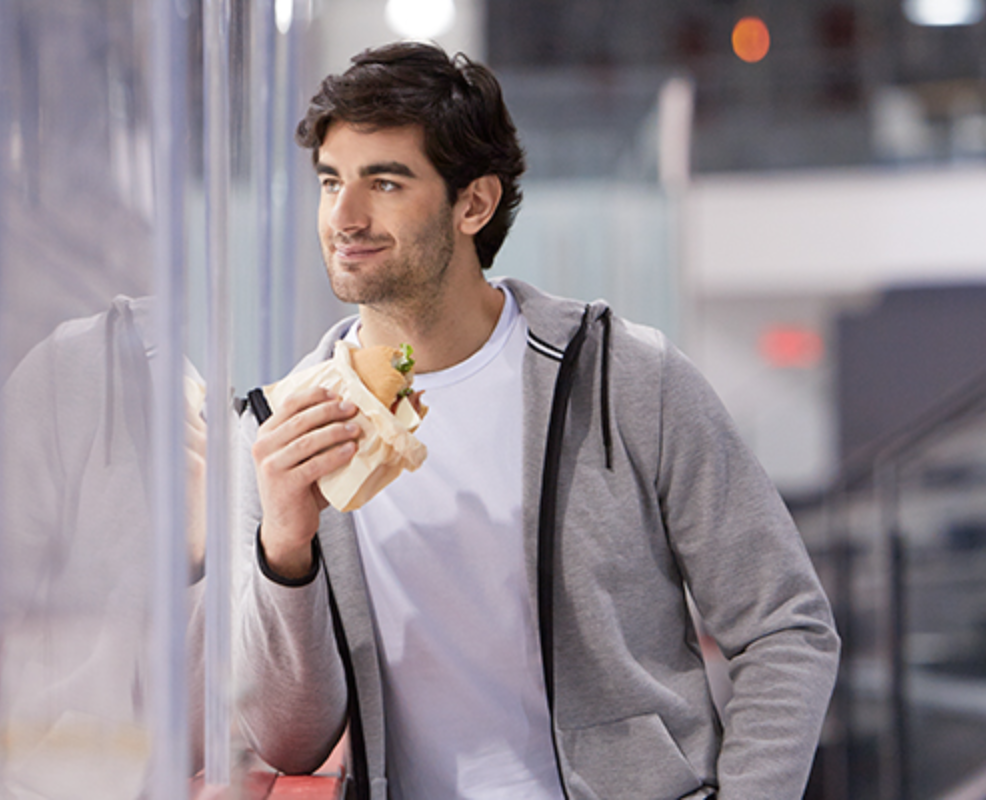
x=375, y=367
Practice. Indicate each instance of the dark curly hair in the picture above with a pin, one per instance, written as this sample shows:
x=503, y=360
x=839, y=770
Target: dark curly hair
x=468, y=132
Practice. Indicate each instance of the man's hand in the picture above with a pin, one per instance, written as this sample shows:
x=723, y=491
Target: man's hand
x=310, y=436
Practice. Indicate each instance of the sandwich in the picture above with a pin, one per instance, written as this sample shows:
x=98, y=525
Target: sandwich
x=378, y=381
x=388, y=372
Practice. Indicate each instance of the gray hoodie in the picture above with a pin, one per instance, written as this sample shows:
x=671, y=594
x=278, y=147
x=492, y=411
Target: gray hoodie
x=636, y=487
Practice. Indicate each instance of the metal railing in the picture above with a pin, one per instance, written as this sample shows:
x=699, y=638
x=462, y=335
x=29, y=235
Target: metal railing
x=904, y=527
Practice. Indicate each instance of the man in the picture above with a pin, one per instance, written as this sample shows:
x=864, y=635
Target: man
x=510, y=621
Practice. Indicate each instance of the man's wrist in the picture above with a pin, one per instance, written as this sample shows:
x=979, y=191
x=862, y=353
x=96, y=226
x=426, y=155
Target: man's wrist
x=290, y=572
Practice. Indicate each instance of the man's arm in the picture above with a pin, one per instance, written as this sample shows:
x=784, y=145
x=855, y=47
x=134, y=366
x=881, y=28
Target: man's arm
x=291, y=682
x=755, y=588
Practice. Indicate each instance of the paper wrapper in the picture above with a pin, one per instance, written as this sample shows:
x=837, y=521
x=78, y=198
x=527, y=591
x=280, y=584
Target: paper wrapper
x=387, y=445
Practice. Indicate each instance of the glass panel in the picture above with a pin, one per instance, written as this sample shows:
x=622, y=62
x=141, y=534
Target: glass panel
x=102, y=483
x=79, y=386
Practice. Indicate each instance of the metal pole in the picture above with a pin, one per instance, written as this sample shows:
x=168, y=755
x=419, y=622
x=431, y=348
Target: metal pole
x=9, y=24
x=6, y=48
x=169, y=696
x=289, y=208
x=218, y=669
x=838, y=762
x=264, y=116
x=675, y=110
x=894, y=784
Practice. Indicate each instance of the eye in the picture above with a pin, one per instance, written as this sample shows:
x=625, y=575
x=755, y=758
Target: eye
x=330, y=185
x=386, y=186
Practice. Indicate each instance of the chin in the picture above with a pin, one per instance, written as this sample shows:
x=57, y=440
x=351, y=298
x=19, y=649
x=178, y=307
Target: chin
x=343, y=289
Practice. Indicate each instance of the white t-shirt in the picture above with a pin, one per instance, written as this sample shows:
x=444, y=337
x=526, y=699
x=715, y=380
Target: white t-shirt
x=443, y=553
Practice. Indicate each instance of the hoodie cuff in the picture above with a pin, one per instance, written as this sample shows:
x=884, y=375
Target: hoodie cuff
x=304, y=580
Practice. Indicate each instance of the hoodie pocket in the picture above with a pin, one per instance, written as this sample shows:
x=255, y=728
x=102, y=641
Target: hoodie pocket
x=631, y=759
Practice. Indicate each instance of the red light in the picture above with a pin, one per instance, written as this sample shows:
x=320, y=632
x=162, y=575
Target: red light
x=788, y=346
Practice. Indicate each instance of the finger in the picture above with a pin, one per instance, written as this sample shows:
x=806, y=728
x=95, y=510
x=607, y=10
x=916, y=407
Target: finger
x=302, y=477
x=299, y=401
x=305, y=419
x=308, y=472
x=305, y=410
x=315, y=417
x=312, y=444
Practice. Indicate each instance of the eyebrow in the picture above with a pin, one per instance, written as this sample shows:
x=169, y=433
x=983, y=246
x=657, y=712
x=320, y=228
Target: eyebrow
x=382, y=168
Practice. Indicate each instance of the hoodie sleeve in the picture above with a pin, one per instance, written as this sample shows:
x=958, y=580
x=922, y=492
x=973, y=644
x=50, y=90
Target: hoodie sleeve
x=290, y=679
x=755, y=588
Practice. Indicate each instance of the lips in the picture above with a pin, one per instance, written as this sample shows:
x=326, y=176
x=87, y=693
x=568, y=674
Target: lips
x=355, y=253
x=357, y=250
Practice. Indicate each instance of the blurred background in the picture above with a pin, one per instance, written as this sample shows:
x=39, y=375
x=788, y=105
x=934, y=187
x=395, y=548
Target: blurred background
x=794, y=192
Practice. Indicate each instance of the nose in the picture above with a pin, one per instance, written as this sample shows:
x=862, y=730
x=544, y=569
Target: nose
x=349, y=211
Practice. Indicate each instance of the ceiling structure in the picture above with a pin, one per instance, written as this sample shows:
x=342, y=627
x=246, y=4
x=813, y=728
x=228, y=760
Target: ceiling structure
x=844, y=82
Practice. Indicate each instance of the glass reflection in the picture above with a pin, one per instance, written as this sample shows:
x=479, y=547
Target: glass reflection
x=77, y=558
x=77, y=547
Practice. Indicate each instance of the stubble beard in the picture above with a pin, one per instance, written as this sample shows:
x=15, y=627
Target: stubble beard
x=410, y=281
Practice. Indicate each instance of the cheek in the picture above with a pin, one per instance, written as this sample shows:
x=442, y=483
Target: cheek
x=324, y=217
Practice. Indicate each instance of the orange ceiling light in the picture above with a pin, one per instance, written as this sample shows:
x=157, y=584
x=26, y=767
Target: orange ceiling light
x=751, y=39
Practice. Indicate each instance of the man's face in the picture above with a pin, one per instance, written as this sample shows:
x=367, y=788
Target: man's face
x=384, y=220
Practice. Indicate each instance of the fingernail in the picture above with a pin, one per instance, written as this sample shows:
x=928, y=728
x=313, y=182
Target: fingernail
x=352, y=427
x=346, y=406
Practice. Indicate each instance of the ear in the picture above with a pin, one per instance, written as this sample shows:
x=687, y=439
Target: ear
x=476, y=204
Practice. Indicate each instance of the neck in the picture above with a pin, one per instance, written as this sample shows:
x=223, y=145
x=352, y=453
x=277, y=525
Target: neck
x=454, y=323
